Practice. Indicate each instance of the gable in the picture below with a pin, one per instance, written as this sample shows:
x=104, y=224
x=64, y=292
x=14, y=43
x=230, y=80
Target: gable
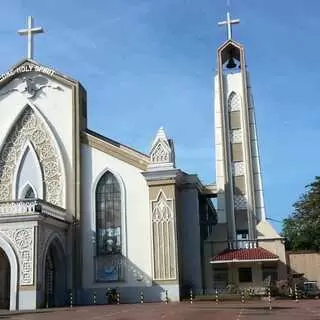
x=28, y=65
x=60, y=101
x=31, y=79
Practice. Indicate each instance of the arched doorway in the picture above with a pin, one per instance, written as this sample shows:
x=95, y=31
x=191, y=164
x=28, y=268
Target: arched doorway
x=4, y=280
x=55, y=275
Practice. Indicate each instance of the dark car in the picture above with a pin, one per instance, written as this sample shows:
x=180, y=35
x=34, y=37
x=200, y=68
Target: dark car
x=311, y=290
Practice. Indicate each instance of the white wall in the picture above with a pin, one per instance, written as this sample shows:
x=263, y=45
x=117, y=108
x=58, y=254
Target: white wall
x=136, y=221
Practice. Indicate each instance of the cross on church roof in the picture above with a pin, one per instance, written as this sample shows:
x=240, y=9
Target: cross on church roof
x=29, y=32
x=229, y=24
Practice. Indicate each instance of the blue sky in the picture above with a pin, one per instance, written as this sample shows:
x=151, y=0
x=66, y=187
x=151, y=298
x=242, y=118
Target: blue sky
x=150, y=63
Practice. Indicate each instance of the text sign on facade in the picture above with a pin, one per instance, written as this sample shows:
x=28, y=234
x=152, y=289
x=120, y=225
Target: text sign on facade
x=27, y=68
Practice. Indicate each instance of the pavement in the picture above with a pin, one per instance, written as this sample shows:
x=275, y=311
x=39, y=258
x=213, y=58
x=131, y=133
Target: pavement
x=251, y=310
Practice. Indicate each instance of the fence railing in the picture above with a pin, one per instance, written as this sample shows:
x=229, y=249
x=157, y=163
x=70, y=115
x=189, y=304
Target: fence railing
x=32, y=207
x=242, y=244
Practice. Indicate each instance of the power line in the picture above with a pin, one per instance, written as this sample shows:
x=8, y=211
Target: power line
x=274, y=220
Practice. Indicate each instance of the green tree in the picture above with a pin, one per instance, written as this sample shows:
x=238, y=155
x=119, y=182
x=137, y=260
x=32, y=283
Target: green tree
x=302, y=228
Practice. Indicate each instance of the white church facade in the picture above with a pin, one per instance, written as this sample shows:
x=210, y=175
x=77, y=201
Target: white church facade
x=80, y=213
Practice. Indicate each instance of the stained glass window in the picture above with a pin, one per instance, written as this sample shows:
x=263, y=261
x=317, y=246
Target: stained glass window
x=108, y=215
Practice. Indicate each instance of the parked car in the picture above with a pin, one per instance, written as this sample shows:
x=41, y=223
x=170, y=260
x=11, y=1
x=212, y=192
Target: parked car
x=311, y=290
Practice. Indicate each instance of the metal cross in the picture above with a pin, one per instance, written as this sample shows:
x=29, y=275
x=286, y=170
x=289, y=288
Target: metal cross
x=29, y=32
x=229, y=24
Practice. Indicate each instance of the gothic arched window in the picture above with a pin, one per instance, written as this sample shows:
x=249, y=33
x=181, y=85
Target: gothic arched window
x=108, y=215
x=234, y=102
x=29, y=193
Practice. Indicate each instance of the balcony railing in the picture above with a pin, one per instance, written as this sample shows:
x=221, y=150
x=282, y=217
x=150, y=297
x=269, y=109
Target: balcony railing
x=35, y=207
x=242, y=244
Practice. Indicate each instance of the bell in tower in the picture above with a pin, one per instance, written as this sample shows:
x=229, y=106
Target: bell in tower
x=231, y=64
x=231, y=59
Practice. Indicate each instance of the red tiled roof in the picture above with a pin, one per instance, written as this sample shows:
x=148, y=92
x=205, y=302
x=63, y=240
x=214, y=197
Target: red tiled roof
x=238, y=255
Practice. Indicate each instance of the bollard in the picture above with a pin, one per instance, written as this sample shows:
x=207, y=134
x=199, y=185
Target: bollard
x=191, y=296
x=167, y=299
x=217, y=296
x=94, y=297
x=47, y=299
x=70, y=299
x=242, y=296
x=296, y=293
x=269, y=299
x=108, y=296
x=141, y=297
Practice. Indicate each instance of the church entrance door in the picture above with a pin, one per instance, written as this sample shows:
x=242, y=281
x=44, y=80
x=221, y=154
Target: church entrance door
x=55, y=275
x=4, y=280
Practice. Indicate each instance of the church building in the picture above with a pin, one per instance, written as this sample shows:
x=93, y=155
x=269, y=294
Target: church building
x=76, y=207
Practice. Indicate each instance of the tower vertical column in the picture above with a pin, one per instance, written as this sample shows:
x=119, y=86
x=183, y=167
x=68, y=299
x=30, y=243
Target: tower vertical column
x=240, y=194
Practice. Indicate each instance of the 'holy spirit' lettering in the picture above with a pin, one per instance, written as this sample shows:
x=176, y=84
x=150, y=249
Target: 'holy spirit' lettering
x=27, y=68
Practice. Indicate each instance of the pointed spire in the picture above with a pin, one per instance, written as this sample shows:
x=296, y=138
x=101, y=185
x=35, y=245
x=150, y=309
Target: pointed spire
x=161, y=135
x=162, y=152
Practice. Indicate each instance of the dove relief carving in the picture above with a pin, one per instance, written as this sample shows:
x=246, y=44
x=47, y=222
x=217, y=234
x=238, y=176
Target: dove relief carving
x=30, y=86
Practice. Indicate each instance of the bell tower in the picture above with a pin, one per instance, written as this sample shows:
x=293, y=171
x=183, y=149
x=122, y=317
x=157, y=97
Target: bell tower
x=239, y=183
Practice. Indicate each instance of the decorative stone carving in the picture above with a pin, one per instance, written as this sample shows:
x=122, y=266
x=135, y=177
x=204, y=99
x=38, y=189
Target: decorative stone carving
x=236, y=136
x=163, y=230
x=238, y=168
x=30, y=86
x=162, y=152
x=240, y=202
x=162, y=210
x=234, y=102
x=4, y=192
x=23, y=241
x=30, y=128
x=33, y=208
x=17, y=207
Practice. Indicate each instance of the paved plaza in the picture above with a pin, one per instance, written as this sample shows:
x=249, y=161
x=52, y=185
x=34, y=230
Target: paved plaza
x=257, y=310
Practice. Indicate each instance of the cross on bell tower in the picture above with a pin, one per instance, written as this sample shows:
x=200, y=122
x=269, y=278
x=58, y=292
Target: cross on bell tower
x=229, y=24
x=30, y=31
